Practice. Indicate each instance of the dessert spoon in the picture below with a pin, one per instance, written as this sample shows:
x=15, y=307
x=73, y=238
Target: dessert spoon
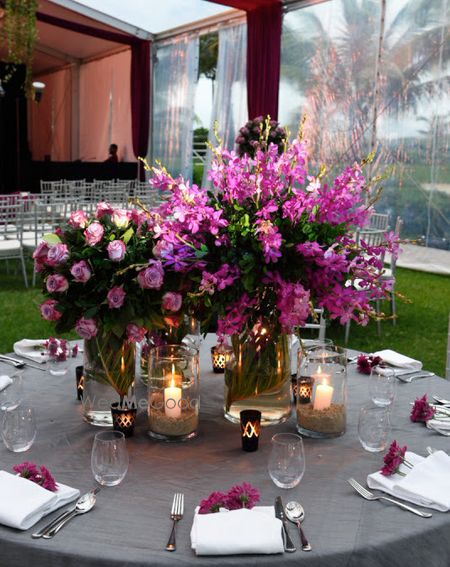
x=296, y=514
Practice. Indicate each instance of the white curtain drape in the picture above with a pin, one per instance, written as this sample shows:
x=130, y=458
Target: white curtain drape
x=230, y=97
x=175, y=79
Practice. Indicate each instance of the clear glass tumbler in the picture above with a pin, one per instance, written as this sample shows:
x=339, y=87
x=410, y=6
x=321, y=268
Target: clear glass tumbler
x=286, y=460
x=382, y=386
x=374, y=427
x=19, y=429
x=109, y=458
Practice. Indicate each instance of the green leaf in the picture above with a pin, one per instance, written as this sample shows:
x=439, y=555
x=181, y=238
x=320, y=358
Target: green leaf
x=51, y=238
x=128, y=234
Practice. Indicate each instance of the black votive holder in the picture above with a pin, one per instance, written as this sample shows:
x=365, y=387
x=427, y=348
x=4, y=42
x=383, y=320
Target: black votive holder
x=294, y=388
x=79, y=374
x=250, y=429
x=124, y=418
x=220, y=355
x=305, y=386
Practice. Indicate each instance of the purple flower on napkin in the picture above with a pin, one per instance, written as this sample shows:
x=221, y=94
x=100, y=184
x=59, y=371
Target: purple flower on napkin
x=366, y=363
x=43, y=477
x=213, y=503
x=394, y=458
x=422, y=411
x=242, y=496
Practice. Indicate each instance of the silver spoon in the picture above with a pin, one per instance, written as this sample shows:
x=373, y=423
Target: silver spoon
x=296, y=514
x=83, y=506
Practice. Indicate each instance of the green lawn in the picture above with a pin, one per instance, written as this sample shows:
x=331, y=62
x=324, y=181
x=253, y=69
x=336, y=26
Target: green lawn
x=421, y=330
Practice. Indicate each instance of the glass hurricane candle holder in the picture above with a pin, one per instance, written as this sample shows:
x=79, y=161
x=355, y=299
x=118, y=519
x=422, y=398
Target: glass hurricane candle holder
x=322, y=392
x=173, y=392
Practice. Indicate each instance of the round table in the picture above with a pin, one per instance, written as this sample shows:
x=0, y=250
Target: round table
x=130, y=523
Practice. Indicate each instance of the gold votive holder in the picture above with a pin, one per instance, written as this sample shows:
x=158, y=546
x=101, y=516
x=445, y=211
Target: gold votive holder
x=250, y=429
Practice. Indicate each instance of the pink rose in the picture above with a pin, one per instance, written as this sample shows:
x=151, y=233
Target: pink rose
x=103, y=209
x=116, y=250
x=121, y=218
x=152, y=277
x=56, y=283
x=116, y=297
x=49, y=311
x=86, y=328
x=57, y=254
x=40, y=255
x=78, y=219
x=94, y=233
x=81, y=271
x=135, y=333
x=161, y=248
x=172, y=301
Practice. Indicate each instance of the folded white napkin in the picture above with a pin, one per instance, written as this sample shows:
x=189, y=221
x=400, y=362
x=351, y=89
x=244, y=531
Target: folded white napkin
x=23, y=503
x=439, y=423
x=5, y=381
x=426, y=484
x=403, y=364
x=31, y=349
x=237, y=532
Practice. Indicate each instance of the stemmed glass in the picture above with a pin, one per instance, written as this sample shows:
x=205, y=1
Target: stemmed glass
x=287, y=460
x=19, y=429
x=109, y=458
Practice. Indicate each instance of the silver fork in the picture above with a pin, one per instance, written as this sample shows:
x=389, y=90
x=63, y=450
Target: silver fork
x=176, y=514
x=370, y=496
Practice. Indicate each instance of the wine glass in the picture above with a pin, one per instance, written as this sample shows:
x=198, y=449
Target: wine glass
x=19, y=429
x=382, y=386
x=374, y=427
x=109, y=458
x=286, y=460
x=11, y=396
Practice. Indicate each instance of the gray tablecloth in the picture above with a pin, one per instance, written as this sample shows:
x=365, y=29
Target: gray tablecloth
x=130, y=524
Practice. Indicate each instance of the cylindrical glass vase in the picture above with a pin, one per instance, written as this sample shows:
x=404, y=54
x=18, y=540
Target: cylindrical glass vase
x=258, y=376
x=322, y=392
x=109, y=370
x=173, y=392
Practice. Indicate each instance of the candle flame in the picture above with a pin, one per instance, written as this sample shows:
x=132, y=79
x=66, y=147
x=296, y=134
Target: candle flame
x=173, y=369
x=325, y=382
x=319, y=369
x=122, y=365
x=172, y=383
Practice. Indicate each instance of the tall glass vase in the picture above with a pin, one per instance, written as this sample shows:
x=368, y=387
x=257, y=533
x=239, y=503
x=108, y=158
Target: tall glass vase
x=109, y=370
x=258, y=376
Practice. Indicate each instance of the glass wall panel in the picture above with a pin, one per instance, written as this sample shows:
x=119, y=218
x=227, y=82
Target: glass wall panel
x=375, y=74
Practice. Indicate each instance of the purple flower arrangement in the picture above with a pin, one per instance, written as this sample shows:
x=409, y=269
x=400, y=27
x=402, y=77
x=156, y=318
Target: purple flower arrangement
x=259, y=133
x=39, y=475
x=239, y=496
x=105, y=272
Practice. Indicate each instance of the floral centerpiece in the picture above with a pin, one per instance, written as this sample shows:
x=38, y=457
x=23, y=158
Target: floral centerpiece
x=259, y=133
x=103, y=277
x=269, y=243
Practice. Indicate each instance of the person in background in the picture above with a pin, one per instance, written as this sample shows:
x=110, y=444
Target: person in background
x=113, y=157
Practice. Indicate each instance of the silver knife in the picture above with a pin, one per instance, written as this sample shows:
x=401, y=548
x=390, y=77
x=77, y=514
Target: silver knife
x=19, y=363
x=279, y=513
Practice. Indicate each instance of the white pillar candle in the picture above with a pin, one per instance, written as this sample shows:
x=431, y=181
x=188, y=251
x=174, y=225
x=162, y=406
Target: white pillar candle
x=172, y=396
x=324, y=392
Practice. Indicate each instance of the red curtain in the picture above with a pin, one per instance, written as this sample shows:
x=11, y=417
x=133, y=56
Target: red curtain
x=263, y=53
x=140, y=82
